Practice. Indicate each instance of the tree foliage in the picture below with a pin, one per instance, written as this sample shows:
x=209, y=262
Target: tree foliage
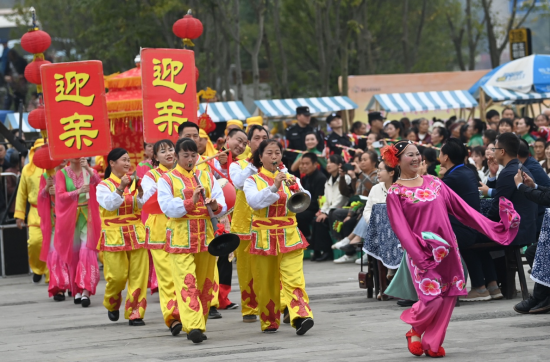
x=299, y=47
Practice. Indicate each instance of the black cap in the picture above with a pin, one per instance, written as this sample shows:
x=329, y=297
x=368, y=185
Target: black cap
x=331, y=117
x=374, y=116
x=303, y=110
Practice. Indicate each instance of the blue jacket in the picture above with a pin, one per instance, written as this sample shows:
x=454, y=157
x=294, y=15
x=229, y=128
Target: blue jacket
x=463, y=181
x=505, y=186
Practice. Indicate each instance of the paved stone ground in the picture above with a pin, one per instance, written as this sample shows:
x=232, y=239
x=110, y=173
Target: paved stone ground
x=348, y=326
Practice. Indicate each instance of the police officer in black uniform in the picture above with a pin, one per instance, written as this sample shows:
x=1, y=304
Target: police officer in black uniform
x=296, y=135
x=337, y=137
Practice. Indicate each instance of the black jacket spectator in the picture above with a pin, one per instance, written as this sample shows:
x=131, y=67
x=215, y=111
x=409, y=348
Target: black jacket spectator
x=540, y=195
x=506, y=187
x=463, y=181
x=540, y=178
x=315, y=184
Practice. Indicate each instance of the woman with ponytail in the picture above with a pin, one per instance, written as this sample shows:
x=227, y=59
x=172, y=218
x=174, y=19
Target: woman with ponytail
x=122, y=240
x=416, y=205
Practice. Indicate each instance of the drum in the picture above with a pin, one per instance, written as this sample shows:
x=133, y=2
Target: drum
x=229, y=193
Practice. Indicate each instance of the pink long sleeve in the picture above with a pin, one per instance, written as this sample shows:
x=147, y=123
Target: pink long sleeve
x=43, y=190
x=415, y=246
x=503, y=232
x=61, y=192
x=44, y=211
x=94, y=178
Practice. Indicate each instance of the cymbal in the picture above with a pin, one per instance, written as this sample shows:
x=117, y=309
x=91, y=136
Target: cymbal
x=224, y=244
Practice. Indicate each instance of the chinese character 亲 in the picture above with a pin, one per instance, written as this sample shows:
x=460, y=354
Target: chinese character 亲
x=74, y=81
x=167, y=119
x=77, y=130
x=169, y=69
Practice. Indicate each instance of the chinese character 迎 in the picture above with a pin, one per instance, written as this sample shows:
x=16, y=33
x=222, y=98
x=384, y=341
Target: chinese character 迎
x=167, y=110
x=74, y=130
x=170, y=68
x=75, y=81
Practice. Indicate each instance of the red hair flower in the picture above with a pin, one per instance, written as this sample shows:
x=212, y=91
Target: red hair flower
x=389, y=155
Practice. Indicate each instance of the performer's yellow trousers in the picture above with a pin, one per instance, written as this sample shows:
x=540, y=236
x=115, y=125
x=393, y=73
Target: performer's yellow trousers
x=167, y=294
x=35, y=246
x=249, y=301
x=216, y=290
x=122, y=266
x=270, y=272
x=194, y=281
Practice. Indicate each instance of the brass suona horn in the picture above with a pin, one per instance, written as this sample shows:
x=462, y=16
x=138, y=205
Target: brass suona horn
x=299, y=201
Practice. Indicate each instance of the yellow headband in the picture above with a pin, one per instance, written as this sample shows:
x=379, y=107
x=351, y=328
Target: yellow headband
x=235, y=122
x=254, y=120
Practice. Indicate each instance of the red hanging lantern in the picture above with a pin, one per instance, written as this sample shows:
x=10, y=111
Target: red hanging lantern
x=197, y=74
x=42, y=158
x=36, y=41
x=37, y=118
x=188, y=27
x=32, y=71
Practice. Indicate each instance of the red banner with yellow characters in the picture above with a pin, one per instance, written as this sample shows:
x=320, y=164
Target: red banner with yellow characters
x=169, y=92
x=76, y=111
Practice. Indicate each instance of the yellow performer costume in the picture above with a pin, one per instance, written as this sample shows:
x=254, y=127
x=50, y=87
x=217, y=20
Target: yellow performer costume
x=155, y=240
x=123, y=244
x=276, y=247
x=241, y=224
x=29, y=186
x=188, y=234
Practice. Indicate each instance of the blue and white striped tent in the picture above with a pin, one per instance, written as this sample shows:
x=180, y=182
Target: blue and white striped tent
x=422, y=101
x=287, y=107
x=12, y=122
x=498, y=94
x=225, y=111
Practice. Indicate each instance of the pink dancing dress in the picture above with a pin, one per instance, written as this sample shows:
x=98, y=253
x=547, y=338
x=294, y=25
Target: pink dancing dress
x=78, y=227
x=59, y=270
x=419, y=218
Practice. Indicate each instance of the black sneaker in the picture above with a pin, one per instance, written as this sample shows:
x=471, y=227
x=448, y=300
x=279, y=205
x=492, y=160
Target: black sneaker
x=204, y=338
x=251, y=318
x=303, y=325
x=175, y=328
x=85, y=301
x=525, y=306
x=270, y=330
x=214, y=314
x=232, y=306
x=196, y=336
x=36, y=278
x=113, y=316
x=406, y=303
x=77, y=300
x=542, y=307
x=59, y=297
x=136, y=322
